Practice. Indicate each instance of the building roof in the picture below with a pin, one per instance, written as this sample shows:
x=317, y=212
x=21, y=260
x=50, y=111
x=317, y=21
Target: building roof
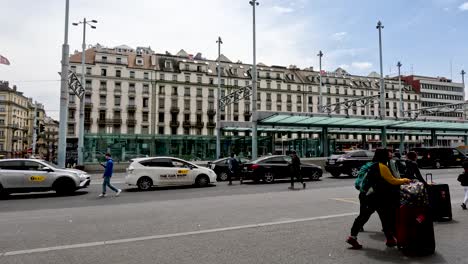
x=90, y=55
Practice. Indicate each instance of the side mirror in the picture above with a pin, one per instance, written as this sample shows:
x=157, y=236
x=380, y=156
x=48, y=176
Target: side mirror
x=47, y=169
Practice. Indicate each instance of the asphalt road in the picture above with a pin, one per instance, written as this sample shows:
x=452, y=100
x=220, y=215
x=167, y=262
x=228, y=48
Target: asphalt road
x=249, y=223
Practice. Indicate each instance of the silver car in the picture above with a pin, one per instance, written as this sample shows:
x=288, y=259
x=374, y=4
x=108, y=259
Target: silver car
x=32, y=175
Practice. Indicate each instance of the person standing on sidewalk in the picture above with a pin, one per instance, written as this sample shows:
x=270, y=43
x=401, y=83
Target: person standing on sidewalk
x=296, y=168
x=233, y=166
x=108, y=169
x=463, y=179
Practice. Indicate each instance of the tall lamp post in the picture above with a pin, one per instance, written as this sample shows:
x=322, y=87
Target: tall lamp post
x=82, y=100
x=62, y=147
x=382, y=87
x=218, y=106
x=464, y=106
x=401, y=88
x=320, y=55
x=254, y=3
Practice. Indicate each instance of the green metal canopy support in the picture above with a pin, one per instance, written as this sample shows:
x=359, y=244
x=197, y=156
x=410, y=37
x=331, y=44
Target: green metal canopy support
x=364, y=141
x=324, y=141
x=466, y=140
x=402, y=143
x=433, y=138
x=383, y=137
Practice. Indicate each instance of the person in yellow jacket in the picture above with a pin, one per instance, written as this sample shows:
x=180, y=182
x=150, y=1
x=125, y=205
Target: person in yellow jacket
x=383, y=197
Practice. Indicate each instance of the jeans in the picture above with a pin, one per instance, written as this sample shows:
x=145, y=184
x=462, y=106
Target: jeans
x=105, y=183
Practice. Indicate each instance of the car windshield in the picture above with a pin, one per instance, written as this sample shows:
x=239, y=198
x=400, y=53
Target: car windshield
x=50, y=164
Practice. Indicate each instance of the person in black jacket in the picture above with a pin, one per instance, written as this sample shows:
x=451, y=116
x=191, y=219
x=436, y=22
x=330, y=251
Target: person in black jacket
x=463, y=179
x=412, y=169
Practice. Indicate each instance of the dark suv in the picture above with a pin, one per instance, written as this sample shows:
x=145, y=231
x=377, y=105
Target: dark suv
x=348, y=163
x=439, y=157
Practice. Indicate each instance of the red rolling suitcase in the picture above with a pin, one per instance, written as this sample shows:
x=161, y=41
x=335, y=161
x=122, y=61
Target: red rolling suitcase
x=415, y=230
x=439, y=200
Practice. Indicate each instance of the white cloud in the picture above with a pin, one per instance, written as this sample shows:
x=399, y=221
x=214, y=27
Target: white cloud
x=282, y=9
x=339, y=36
x=464, y=6
x=361, y=65
x=155, y=26
x=446, y=9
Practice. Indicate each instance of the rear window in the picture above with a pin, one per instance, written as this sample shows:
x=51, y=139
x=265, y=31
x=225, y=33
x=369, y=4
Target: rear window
x=11, y=165
x=157, y=163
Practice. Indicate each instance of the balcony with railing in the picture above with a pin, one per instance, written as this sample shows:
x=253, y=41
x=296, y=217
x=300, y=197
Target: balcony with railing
x=199, y=124
x=174, y=123
x=175, y=109
x=131, y=121
x=211, y=124
x=211, y=112
x=131, y=107
x=187, y=124
x=87, y=121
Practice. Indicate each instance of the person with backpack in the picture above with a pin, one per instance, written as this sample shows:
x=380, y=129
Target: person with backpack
x=377, y=188
x=233, y=167
x=463, y=179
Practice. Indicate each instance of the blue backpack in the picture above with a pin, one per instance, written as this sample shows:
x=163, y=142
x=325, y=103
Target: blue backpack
x=362, y=183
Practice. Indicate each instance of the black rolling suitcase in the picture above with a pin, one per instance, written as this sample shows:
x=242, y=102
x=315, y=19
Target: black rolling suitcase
x=439, y=200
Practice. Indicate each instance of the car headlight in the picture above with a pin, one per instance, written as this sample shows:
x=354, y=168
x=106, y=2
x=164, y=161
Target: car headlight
x=340, y=160
x=83, y=176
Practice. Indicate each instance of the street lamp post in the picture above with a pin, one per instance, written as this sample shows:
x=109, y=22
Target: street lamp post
x=320, y=55
x=401, y=89
x=62, y=147
x=254, y=3
x=382, y=87
x=218, y=106
x=464, y=106
x=83, y=84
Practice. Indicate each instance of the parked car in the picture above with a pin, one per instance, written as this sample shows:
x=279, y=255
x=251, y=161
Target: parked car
x=439, y=157
x=349, y=163
x=167, y=171
x=32, y=175
x=221, y=167
x=270, y=168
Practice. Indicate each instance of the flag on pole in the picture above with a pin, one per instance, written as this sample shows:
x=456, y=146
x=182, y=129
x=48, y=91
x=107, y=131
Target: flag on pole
x=4, y=60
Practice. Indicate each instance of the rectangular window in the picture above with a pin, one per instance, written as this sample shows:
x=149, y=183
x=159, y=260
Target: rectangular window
x=174, y=77
x=103, y=72
x=145, y=102
x=145, y=88
x=162, y=89
x=199, y=105
x=161, y=103
x=102, y=100
x=118, y=60
x=199, y=92
x=199, y=79
x=118, y=73
x=174, y=90
x=117, y=100
x=162, y=77
x=145, y=116
x=187, y=78
x=187, y=104
x=145, y=76
x=88, y=70
x=161, y=117
x=187, y=91
x=132, y=74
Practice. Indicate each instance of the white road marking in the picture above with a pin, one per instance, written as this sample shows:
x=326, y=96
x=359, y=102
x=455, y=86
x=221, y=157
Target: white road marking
x=143, y=238
x=346, y=200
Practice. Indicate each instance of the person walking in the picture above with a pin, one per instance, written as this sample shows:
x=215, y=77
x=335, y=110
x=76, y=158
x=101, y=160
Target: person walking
x=412, y=169
x=296, y=169
x=233, y=166
x=108, y=170
x=463, y=179
x=381, y=197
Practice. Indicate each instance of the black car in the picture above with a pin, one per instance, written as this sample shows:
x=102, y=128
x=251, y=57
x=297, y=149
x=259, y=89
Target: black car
x=349, y=163
x=270, y=168
x=220, y=167
x=439, y=157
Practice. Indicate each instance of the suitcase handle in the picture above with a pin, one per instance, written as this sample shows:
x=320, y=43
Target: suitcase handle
x=432, y=181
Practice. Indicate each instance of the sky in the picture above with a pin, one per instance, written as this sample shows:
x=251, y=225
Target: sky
x=429, y=37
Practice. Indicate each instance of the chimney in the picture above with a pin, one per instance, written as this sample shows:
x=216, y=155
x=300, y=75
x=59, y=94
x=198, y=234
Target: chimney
x=14, y=88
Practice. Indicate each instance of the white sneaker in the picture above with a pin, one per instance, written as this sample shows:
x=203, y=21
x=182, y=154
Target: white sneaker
x=118, y=192
x=102, y=195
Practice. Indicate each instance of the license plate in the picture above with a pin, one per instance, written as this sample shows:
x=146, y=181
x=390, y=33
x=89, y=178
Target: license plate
x=331, y=162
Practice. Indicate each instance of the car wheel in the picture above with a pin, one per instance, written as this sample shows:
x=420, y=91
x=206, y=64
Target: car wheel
x=64, y=186
x=354, y=172
x=269, y=177
x=437, y=165
x=335, y=174
x=223, y=176
x=144, y=183
x=3, y=192
x=315, y=175
x=202, y=181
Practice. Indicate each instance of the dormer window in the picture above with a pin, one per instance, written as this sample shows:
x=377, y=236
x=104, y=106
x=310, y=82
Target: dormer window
x=139, y=62
x=168, y=64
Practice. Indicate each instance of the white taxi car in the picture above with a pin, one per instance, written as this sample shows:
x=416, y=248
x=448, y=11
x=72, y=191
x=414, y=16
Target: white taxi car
x=167, y=171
